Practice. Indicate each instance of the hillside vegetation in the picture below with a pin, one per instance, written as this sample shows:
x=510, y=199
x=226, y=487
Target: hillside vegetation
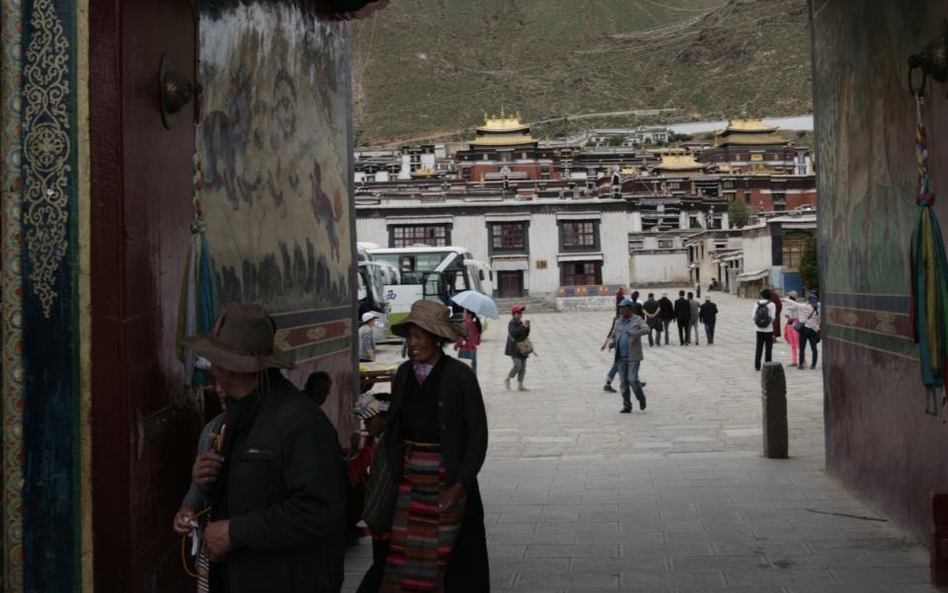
x=430, y=68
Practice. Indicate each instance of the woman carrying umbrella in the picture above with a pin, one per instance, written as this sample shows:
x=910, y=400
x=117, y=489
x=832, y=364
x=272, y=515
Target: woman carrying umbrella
x=470, y=339
x=435, y=444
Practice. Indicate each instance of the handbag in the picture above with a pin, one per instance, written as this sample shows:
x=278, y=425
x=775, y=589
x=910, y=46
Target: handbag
x=380, y=493
x=799, y=325
x=524, y=347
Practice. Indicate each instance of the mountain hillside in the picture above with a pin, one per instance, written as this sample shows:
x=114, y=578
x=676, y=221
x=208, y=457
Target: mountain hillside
x=431, y=68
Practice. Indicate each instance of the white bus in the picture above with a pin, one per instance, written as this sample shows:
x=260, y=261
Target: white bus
x=434, y=273
x=372, y=278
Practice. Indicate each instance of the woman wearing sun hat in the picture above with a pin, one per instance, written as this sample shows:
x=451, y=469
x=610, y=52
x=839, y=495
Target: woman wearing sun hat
x=435, y=442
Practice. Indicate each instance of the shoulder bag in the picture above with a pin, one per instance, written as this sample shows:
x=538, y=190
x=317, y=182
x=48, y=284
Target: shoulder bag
x=380, y=492
x=524, y=347
x=799, y=325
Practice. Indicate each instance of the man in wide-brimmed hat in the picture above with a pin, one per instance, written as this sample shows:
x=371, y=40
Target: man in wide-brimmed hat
x=276, y=481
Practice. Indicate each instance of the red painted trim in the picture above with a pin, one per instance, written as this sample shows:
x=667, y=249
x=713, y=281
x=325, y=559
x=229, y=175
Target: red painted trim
x=111, y=427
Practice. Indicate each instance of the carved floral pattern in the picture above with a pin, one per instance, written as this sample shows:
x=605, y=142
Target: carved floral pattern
x=47, y=147
x=11, y=575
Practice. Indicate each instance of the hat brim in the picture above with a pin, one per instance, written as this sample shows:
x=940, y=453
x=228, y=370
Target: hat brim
x=448, y=331
x=238, y=363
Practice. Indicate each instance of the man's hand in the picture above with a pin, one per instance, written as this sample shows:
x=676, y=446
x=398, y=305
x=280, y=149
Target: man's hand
x=182, y=520
x=452, y=499
x=206, y=470
x=217, y=540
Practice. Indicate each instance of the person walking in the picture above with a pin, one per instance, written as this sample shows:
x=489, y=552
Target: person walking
x=695, y=316
x=637, y=304
x=683, y=318
x=708, y=314
x=667, y=314
x=778, y=304
x=791, y=311
x=367, y=337
x=763, y=316
x=277, y=486
x=435, y=443
x=626, y=339
x=614, y=370
x=470, y=339
x=809, y=324
x=517, y=331
x=652, y=319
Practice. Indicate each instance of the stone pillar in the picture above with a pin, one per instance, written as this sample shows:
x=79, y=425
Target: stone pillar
x=773, y=384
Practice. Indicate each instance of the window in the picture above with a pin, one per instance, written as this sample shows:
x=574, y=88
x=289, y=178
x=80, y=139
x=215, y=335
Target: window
x=579, y=235
x=508, y=237
x=665, y=243
x=636, y=244
x=793, y=251
x=579, y=273
x=434, y=235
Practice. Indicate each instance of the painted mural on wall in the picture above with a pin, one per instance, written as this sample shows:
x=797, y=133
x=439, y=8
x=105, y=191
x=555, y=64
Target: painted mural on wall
x=274, y=149
x=865, y=125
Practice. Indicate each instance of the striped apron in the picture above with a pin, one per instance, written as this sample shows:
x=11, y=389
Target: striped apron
x=421, y=539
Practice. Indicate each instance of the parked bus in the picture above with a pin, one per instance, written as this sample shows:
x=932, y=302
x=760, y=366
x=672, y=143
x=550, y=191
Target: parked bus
x=372, y=278
x=434, y=273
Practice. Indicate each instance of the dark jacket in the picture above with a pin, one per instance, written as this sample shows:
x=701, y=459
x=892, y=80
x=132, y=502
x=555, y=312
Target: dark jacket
x=708, y=312
x=516, y=332
x=286, y=498
x=682, y=310
x=668, y=310
x=461, y=416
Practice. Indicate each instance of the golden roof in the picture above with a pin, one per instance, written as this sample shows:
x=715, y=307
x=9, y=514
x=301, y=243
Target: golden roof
x=424, y=172
x=746, y=125
x=752, y=140
x=679, y=162
x=505, y=140
x=493, y=124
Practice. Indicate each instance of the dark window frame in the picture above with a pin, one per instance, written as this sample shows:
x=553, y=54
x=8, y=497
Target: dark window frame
x=397, y=242
x=525, y=229
x=568, y=277
x=564, y=232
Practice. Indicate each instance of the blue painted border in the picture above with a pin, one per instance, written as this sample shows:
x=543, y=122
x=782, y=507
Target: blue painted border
x=51, y=515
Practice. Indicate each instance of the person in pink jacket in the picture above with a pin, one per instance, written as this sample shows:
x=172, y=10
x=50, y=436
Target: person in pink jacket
x=467, y=344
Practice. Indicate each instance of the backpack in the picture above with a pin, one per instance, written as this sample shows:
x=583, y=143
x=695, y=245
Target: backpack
x=762, y=316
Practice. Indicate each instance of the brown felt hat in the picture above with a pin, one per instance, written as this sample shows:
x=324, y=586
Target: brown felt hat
x=430, y=316
x=241, y=341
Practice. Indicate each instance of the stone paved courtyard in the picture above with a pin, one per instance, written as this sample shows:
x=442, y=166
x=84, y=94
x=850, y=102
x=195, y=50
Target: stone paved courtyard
x=580, y=498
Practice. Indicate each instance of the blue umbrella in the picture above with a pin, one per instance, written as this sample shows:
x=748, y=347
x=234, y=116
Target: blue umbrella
x=478, y=303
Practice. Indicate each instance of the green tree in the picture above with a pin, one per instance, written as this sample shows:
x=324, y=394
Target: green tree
x=809, y=267
x=737, y=213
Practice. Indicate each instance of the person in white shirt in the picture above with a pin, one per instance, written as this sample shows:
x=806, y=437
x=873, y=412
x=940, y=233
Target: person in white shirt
x=763, y=315
x=809, y=315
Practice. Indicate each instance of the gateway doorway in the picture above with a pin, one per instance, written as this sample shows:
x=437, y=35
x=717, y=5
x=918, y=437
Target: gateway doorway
x=510, y=284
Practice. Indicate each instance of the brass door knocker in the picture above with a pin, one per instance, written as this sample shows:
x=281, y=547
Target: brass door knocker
x=932, y=61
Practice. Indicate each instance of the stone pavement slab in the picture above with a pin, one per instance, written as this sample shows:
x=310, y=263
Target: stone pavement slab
x=580, y=498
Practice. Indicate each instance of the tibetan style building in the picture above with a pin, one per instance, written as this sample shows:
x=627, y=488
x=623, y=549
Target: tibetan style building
x=750, y=145
x=504, y=150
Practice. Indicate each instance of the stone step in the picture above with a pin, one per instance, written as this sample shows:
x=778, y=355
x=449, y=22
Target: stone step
x=535, y=305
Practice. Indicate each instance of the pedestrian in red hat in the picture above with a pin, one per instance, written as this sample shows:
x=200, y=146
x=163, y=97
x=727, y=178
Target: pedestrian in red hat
x=518, y=346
